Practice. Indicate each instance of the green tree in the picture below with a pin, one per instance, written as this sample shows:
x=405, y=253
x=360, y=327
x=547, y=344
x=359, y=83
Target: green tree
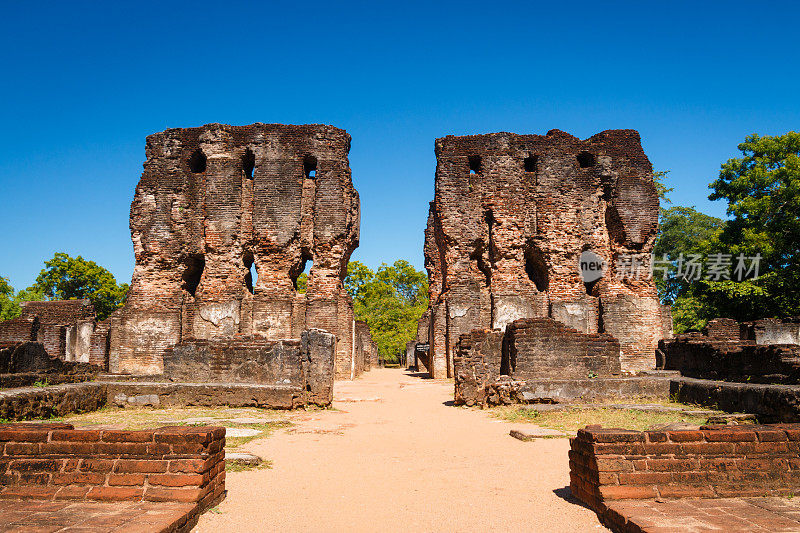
x=762, y=189
x=390, y=300
x=67, y=278
x=10, y=301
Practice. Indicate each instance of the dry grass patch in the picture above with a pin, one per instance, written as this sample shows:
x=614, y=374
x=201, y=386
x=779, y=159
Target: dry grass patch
x=571, y=420
x=265, y=421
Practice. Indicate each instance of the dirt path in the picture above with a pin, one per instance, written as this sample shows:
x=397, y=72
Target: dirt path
x=394, y=457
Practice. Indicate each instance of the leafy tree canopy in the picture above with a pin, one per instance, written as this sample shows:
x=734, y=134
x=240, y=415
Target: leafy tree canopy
x=10, y=300
x=762, y=189
x=68, y=278
x=390, y=300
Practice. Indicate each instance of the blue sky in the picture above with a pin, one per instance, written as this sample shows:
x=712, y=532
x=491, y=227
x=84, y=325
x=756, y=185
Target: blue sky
x=83, y=84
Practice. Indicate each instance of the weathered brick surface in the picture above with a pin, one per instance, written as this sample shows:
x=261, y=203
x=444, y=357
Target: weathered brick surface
x=55, y=461
x=730, y=351
x=306, y=364
x=511, y=216
x=495, y=367
x=714, y=462
x=214, y=201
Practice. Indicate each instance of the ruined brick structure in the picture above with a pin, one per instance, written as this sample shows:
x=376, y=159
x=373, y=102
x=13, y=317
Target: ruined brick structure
x=63, y=327
x=216, y=203
x=510, y=218
x=763, y=351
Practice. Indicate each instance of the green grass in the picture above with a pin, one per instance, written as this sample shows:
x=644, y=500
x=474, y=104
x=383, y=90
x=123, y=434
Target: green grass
x=572, y=420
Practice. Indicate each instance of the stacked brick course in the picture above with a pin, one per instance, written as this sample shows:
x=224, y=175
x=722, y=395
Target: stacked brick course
x=215, y=202
x=730, y=351
x=510, y=218
x=55, y=461
x=493, y=367
x=712, y=462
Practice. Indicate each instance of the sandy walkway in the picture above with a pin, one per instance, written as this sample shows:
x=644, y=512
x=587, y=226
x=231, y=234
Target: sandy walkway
x=398, y=459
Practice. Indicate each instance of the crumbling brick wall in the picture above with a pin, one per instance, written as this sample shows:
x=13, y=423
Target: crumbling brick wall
x=510, y=218
x=491, y=365
x=56, y=461
x=64, y=327
x=215, y=202
x=541, y=348
x=713, y=462
x=305, y=365
x=722, y=354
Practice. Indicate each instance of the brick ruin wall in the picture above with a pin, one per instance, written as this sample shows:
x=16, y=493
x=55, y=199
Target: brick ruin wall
x=55, y=461
x=512, y=214
x=64, y=327
x=712, y=462
x=304, y=364
x=741, y=352
x=489, y=362
x=214, y=202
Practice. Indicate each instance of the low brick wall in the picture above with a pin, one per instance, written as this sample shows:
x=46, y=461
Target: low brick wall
x=56, y=461
x=27, y=403
x=713, y=462
x=770, y=403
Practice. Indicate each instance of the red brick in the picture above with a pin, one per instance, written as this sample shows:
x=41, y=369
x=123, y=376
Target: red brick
x=159, y=449
x=671, y=465
x=36, y=492
x=36, y=465
x=66, y=448
x=176, y=480
x=78, y=478
x=35, y=478
x=188, y=465
x=685, y=436
x=97, y=465
x=78, y=435
x=122, y=448
x=763, y=465
x=771, y=435
x=173, y=495
x=7, y=435
x=656, y=436
x=608, y=478
x=644, y=478
x=750, y=448
x=115, y=493
x=143, y=466
x=625, y=492
x=707, y=448
x=126, y=480
x=685, y=491
x=72, y=492
x=127, y=436
x=70, y=465
x=725, y=435
x=616, y=436
x=22, y=448
x=690, y=478
x=658, y=448
x=188, y=449
x=718, y=463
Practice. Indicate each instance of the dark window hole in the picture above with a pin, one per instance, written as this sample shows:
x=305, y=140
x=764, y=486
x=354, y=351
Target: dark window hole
x=197, y=161
x=531, y=163
x=474, y=164
x=249, y=163
x=251, y=278
x=585, y=160
x=193, y=272
x=310, y=166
